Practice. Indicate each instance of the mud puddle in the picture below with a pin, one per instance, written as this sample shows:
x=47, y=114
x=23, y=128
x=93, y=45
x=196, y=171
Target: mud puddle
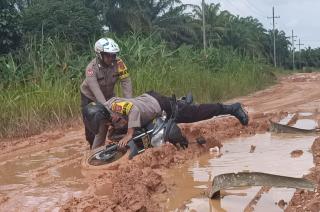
x=307, y=124
x=301, y=120
x=270, y=153
x=42, y=180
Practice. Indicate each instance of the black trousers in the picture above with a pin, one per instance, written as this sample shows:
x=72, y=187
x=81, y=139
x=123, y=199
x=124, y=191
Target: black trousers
x=89, y=135
x=188, y=113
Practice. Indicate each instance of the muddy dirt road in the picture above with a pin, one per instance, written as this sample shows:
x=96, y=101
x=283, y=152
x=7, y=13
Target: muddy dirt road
x=44, y=172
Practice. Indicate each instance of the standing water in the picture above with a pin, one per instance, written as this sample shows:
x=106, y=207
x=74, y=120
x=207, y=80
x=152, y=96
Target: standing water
x=269, y=154
x=42, y=180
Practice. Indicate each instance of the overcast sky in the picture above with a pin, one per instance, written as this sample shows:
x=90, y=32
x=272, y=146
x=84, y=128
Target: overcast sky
x=301, y=16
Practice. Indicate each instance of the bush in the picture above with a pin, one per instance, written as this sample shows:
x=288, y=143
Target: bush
x=10, y=27
x=68, y=19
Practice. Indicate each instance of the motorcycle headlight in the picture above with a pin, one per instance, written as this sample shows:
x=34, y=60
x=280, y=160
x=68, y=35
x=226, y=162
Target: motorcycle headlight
x=157, y=139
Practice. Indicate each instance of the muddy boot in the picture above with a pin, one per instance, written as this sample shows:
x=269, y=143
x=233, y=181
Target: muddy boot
x=237, y=111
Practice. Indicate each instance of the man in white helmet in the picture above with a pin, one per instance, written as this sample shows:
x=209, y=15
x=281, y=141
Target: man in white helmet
x=102, y=73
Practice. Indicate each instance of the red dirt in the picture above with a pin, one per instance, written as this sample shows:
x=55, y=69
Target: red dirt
x=134, y=182
x=134, y=185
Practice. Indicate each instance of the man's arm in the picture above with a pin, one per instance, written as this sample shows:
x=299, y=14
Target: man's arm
x=93, y=84
x=126, y=86
x=125, y=140
x=125, y=79
x=133, y=122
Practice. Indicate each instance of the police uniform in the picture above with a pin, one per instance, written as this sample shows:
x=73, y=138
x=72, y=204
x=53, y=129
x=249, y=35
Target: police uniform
x=135, y=112
x=99, y=83
x=141, y=110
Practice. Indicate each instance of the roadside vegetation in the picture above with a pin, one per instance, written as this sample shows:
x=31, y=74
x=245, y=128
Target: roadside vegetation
x=43, y=57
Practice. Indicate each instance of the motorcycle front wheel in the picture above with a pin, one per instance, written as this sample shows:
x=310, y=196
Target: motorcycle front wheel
x=104, y=155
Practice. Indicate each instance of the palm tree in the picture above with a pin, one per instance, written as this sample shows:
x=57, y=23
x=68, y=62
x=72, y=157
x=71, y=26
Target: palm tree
x=163, y=17
x=247, y=35
x=175, y=26
x=216, y=22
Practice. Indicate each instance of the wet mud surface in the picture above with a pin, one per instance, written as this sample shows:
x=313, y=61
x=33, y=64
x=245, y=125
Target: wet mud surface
x=272, y=155
x=44, y=172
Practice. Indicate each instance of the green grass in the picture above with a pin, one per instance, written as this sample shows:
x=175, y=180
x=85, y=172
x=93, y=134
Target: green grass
x=238, y=78
x=40, y=84
x=27, y=110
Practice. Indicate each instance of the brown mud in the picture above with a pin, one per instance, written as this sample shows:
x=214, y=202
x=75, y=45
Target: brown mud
x=44, y=172
x=308, y=200
x=272, y=155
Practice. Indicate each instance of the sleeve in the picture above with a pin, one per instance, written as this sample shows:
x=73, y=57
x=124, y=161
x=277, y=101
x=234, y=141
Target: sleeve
x=126, y=87
x=125, y=79
x=134, y=118
x=93, y=84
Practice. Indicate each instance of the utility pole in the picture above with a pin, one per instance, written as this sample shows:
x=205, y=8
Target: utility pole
x=204, y=27
x=274, y=37
x=293, y=40
x=300, y=44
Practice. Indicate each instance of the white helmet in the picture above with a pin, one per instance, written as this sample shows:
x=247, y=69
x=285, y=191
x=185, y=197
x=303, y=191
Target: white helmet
x=106, y=45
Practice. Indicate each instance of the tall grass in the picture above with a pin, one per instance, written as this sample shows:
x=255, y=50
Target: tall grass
x=179, y=74
x=30, y=109
x=40, y=83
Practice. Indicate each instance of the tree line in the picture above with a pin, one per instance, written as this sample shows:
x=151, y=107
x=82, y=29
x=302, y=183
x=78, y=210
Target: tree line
x=81, y=21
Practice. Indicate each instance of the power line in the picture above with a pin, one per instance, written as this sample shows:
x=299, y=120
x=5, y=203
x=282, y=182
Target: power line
x=255, y=10
x=314, y=42
x=251, y=9
x=233, y=6
x=274, y=37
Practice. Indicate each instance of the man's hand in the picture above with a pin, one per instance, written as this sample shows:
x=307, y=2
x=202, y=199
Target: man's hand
x=125, y=140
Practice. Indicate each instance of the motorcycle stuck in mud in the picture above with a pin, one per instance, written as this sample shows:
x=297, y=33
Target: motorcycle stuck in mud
x=154, y=134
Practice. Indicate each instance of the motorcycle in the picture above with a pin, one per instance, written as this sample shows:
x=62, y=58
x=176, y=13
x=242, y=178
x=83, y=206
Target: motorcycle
x=155, y=134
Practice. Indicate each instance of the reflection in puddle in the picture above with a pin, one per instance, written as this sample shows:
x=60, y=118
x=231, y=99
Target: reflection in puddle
x=18, y=170
x=307, y=124
x=237, y=200
x=305, y=114
x=43, y=199
x=272, y=155
x=302, y=120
